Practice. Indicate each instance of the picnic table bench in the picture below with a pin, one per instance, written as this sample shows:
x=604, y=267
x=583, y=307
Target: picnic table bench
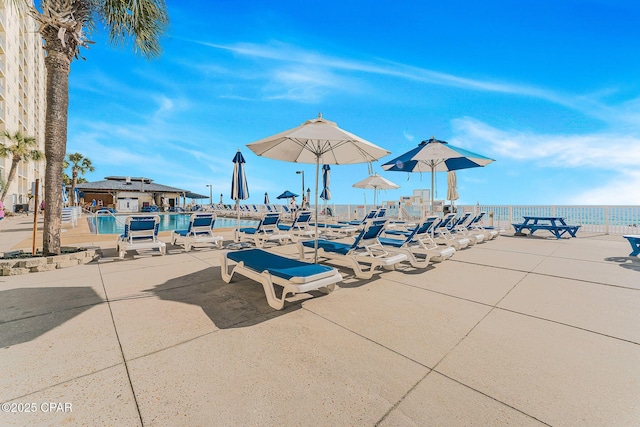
x=634, y=241
x=556, y=225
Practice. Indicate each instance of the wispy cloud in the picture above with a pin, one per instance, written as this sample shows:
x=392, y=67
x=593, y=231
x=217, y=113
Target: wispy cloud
x=605, y=150
x=282, y=53
x=409, y=137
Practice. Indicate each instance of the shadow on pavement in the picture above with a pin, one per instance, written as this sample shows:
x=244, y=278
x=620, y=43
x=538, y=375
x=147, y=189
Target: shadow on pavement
x=27, y=313
x=628, y=262
x=238, y=304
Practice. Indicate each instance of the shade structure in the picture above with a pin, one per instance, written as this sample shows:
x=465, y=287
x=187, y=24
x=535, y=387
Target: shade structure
x=287, y=195
x=376, y=182
x=266, y=198
x=239, y=188
x=221, y=198
x=452, y=187
x=436, y=156
x=318, y=141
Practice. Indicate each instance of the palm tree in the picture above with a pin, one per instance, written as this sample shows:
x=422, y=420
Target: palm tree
x=63, y=26
x=24, y=148
x=79, y=166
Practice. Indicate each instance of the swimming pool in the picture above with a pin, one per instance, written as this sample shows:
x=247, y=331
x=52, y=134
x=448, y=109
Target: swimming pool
x=108, y=224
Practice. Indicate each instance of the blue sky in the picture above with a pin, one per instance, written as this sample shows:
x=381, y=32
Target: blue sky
x=549, y=89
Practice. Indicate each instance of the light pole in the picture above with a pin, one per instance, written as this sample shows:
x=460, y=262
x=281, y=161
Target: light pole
x=210, y=194
x=298, y=173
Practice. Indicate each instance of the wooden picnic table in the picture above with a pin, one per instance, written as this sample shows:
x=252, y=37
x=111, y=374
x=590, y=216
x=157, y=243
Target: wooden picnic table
x=555, y=224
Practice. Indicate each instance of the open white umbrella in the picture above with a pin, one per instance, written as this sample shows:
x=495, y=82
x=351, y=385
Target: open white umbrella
x=318, y=141
x=376, y=182
x=436, y=156
x=452, y=187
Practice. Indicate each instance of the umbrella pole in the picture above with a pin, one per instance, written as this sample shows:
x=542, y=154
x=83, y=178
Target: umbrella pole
x=236, y=234
x=433, y=174
x=315, y=245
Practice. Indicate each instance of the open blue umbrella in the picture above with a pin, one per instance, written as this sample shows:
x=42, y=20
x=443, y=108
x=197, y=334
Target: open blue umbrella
x=287, y=195
x=436, y=156
x=239, y=189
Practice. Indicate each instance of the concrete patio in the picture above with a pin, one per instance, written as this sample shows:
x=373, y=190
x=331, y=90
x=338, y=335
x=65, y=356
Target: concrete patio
x=516, y=331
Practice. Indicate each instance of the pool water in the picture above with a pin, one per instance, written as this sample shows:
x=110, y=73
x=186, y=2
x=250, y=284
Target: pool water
x=107, y=224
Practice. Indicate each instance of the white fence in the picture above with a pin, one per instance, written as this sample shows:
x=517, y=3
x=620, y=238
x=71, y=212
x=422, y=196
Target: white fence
x=592, y=219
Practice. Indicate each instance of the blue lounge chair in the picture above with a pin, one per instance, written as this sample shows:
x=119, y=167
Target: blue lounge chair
x=459, y=229
x=266, y=231
x=200, y=231
x=360, y=223
x=140, y=232
x=443, y=236
x=270, y=269
x=366, y=249
x=476, y=224
x=418, y=246
x=300, y=228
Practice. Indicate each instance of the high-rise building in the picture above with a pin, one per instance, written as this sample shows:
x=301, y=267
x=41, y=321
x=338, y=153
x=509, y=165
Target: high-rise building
x=22, y=95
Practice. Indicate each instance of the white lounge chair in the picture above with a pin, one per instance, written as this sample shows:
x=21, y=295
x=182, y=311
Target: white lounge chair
x=443, y=236
x=140, y=232
x=266, y=231
x=459, y=229
x=300, y=228
x=270, y=269
x=476, y=224
x=366, y=249
x=200, y=231
x=417, y=245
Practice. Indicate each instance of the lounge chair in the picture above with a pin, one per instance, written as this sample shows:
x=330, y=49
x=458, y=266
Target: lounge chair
x=458, y=228
x=443, y=236
x=266, y=231
x=300, y=228
x=476, y=224
x=360, y=223
x=418, y=246
x=366, y=249
x=270, y=269
x=200, y=231
x=140, y=232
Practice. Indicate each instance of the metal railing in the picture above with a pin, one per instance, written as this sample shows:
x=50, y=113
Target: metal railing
x=615, y=219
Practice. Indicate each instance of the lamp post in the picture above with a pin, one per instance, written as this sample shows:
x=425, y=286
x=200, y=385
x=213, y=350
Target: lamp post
x=210, y=194
x=298, y=173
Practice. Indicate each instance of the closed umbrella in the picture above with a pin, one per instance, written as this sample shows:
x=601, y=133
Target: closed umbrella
x=65, y=196
x=315, y=141
x=436, y=156
x=376, y=182
x=326, y=175
x=239, y=189
x=266, y=198
x=452, y=187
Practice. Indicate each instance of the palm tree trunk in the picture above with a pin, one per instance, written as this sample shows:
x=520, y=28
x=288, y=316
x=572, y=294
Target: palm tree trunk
x=58, y=65
x=12, y=175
